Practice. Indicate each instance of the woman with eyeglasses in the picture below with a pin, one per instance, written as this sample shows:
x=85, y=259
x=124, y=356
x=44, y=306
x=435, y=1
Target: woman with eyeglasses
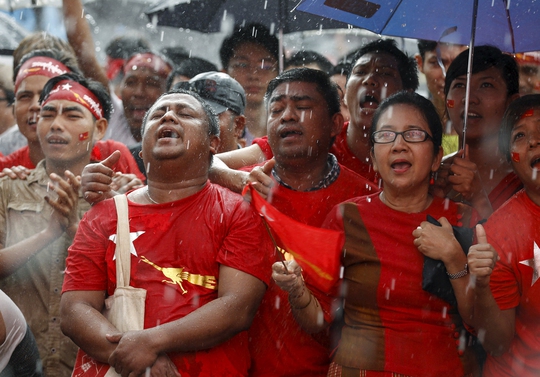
x=391, y=326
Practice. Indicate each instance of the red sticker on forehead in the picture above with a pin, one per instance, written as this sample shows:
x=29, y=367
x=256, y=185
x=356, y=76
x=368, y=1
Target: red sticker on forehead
x=83, y=136
x=515, y=156
x=450, y=103
x=528, y=113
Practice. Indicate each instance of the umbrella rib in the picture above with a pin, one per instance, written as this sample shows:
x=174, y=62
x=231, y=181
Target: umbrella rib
x=389, y=18
x=510, y=27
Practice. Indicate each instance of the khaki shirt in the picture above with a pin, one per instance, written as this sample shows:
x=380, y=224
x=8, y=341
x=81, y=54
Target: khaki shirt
x=37, y=286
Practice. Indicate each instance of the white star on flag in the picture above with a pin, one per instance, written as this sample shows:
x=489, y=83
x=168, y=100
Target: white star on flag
x=534, y=263
x=132, y=237
x=66, y=86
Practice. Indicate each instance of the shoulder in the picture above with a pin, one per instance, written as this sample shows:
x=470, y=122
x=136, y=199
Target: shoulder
x=362, y=183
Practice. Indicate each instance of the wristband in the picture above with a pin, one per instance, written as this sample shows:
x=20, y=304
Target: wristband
x=459, y=274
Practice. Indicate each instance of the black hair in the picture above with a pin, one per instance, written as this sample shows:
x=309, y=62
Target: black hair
x=407, y=66
x=124, y=46
x=254, y=33
x=190, y=68
x=326, y=87
x=513, y=114
x=485, y=57
x=64, y=58
x=305, y=57
x=341, y=68
x=95, y=87
x=176, y=54
x=423, y=105
x=211, y=117
x=425, y=46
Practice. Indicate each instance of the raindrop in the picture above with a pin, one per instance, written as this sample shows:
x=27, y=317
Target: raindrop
x=320, y=318
x=277, y=304
x=224, y=14
x=481, y=335
x=162, y=35
x=311, y=114
x=393, y=284
x=384, y=92
x=368, y=199
x=491, y=174
x=221, y=218
x=387, y=294
x=187, y=147
x=60, y=110
x=287, y=89
x=534, y=174
x=272, y=28
x=403, y=25
x=262, y=63
x=446, y=203
x=302, y=116
x=148, y=167
x=265, y=4
x=444, y=311
x=310, y=150
x=341, y=272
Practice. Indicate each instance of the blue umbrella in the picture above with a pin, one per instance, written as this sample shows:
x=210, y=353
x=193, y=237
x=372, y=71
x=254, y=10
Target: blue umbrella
x=511, y=25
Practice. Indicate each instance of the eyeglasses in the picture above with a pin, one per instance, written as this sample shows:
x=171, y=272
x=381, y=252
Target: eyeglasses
x=267, y=66
x=410, y=136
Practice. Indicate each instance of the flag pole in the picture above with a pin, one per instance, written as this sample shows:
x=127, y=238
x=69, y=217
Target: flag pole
x=275, y=244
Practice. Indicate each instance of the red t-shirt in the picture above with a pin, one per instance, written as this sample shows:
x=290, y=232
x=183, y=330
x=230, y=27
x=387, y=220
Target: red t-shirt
x=514, y=231
x=278, y=345
x=390, y=323
x=197, y=234
x=340, y=149
x=101, y=151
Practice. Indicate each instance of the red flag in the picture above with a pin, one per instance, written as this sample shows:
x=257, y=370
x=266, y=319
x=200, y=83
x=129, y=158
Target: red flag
x=316, y=250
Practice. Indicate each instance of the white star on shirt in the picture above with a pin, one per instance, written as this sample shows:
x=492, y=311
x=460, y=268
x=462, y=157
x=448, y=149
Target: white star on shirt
x=132, y=237
x=66, y=86
x=534, y=263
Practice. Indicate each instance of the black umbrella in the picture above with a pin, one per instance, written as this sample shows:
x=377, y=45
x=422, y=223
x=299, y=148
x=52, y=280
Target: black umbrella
x=279, y=16
x=206, y=15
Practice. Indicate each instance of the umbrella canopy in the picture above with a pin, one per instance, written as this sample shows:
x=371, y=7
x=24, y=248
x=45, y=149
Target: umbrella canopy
x=206, y=15
x=11, y=33
x=509, y=25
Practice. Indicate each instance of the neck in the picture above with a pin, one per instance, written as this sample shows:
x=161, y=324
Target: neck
x=411, y=201
x=164, y=192
x=358, y=143
x=59, y=167
x=303, y=176
x=36, y=154
x=256, y=119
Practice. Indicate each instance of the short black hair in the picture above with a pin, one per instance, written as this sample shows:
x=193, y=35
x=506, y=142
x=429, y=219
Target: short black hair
x=485, y=57
x=326, y=87
x=95, y=87
x=513, y=114
x=425, y=46
x=190, y=68
x=176, y=54
x=254, y=33
x=423, y=105
x=64, y=58
x=211, y=116
x=341, y=68
x=124, y=46
x=407, y=67
x=305, y=57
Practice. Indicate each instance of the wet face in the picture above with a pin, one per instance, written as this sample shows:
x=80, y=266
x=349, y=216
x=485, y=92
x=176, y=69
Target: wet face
x=299, y=125
x=177, y=127
x=529, y=79
x=27, y=105
x=404, y=165
x=430, y=67
x=374, y=77
x=140, y=88
x=525, y=152
x=253, y=67
x=341, y=81
x=487, y=103
x=229, y=131
x=67, y=132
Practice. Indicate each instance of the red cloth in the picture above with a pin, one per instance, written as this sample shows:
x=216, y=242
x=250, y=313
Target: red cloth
x=397, y=325
x=198, y=234
x=101, y=151
x=340, y=149
x=346, y=157
x=278, y=345
x=505, y=190
x=514, y=231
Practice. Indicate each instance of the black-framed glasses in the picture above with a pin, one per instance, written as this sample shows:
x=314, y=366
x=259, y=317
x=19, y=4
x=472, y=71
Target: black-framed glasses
x=410, y=136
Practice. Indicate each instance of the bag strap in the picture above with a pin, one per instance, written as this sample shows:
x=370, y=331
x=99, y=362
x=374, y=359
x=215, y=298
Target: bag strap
x=122, y=252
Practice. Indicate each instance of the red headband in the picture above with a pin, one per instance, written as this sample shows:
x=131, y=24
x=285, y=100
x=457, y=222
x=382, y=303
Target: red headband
x=114, y=66
x=40, y=66
x=151, y=61
x=75, y=92
x=528, y=58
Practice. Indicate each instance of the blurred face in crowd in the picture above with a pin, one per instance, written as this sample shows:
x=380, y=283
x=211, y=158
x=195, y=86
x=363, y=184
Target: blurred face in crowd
x=529, y=78
x=231, y=127
x=7, y=117
x=253, y=67
x=27, y=105
x=140, y=88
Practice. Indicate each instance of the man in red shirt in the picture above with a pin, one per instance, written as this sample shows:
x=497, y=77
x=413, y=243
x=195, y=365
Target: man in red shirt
x=198, y=249
x=303, y=181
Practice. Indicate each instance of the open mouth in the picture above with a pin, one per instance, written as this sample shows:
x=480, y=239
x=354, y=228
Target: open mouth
x=286, y=133
x=401, y=166
x=56, y=140
x=168, y=133
x=535, y=163
x=369, y=102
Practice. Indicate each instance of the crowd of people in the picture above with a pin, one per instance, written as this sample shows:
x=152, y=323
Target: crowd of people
x=349, y=147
